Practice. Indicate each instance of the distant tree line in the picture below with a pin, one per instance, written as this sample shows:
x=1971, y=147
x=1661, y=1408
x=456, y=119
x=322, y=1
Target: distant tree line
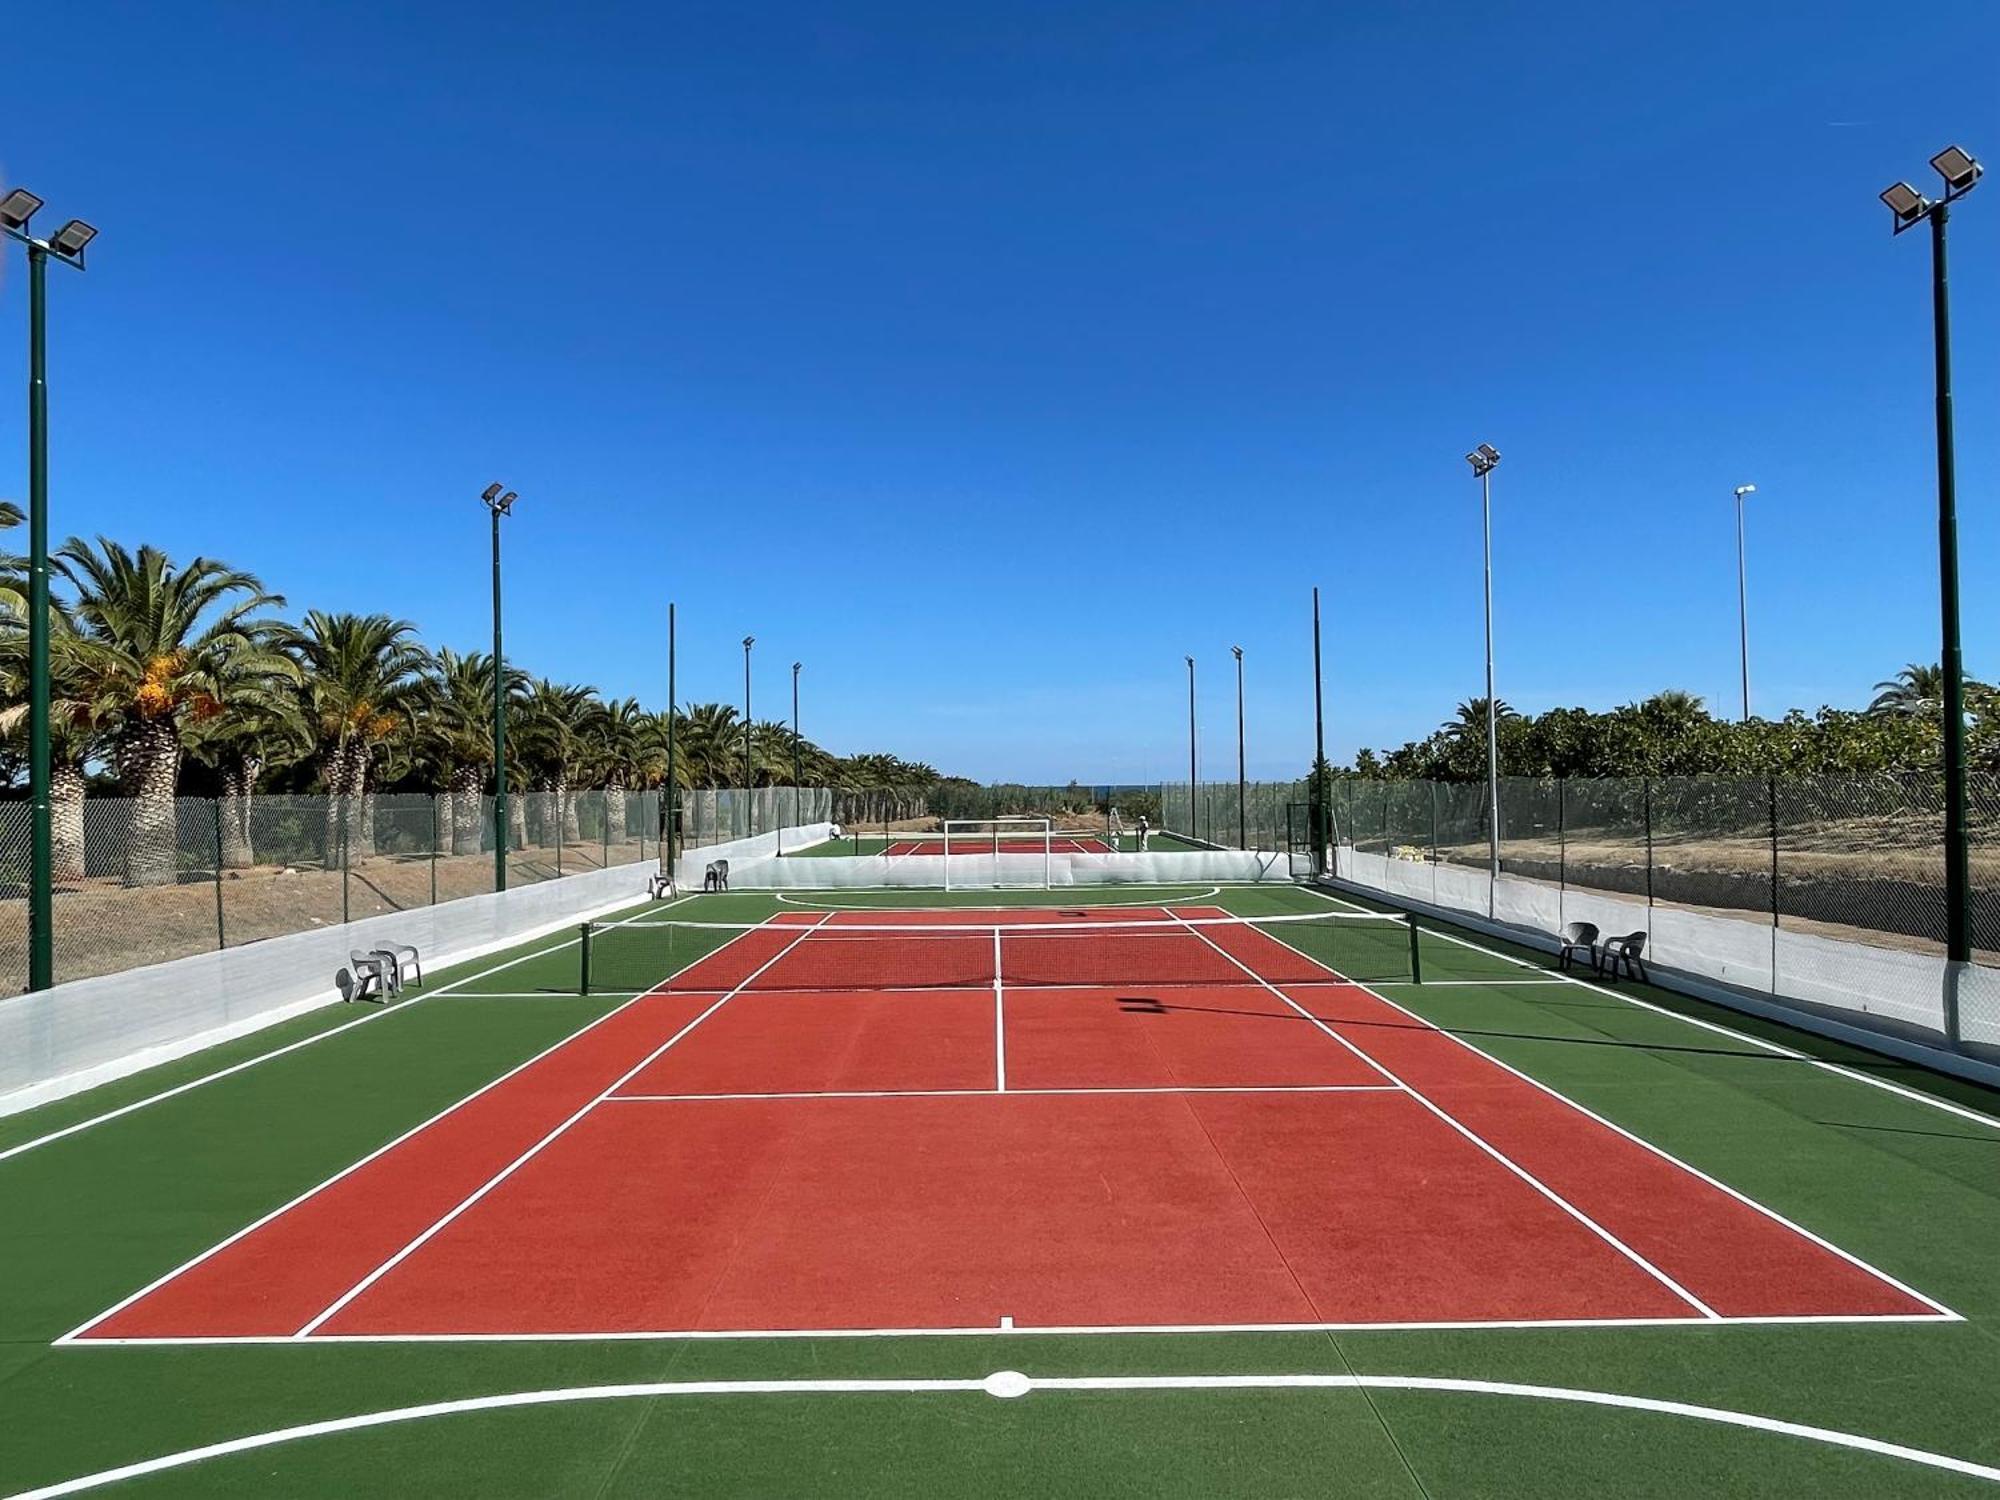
x=1674, y=734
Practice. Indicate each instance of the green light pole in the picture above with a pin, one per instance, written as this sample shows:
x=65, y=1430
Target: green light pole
x=1317, y=809
x=1910, y=207
x=1194, y=831
x=16, y=209
x=798, y=775
x=749, y=770
x=673, y=787
x=1242, y=825
x=499, y=505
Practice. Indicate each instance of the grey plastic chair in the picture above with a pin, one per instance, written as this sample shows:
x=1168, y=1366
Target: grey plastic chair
x=1578, y=937
x=1627, y=952
x=396, y=955
x=371, y=975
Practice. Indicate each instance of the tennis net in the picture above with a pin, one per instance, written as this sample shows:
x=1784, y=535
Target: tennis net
x=1038, y=950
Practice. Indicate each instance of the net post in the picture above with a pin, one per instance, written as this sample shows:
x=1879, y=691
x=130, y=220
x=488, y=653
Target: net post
x=583, y=969
x=1416, y=953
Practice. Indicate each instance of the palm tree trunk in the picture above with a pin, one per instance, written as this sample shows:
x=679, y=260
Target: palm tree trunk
x=149, y=764
x=363, y=841
x=517, y=819
x=237, y=780
x=614, y=813
x=66, y=820
x=466, y=784
x=566, y=805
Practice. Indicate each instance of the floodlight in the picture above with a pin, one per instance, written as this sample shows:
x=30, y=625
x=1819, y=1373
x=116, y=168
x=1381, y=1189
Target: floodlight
x=1237, y=652
x=1906, y=203
x=1958, y=170
x=1483, y=458
x=71, y=238
x=1745, y=489
x=1490, y=453
x=490, y=493
x=17, y=208
x=507, y=502
x=749, y=641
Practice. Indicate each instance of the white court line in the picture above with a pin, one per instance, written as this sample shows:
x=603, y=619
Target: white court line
x=1472, y=1135
x=1917, y=1095
x=1062, y=1330
x=1445, y=984
x=999, y=1020
x=1013, y=1385
x=1638, y=1140
x=1162, y=1088
x=354, y=1166
x=507, y=1171
x=262, y=1057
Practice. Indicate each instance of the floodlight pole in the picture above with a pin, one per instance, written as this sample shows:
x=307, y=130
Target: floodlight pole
x=1743, y=598
x=1957, y=862
x=749, y=773
x=798, y=775
x=19, y=207
x=673, y=787
x=41, y=885
x=1317, y=810
x=1242, y=824
x=1484, y=460
x=499, y=505
x=1961, y=174
x=1194, y=830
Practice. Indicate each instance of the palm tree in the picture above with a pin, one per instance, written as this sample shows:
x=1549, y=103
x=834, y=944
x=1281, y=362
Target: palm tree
x=618, y=743
x=1916, y=689
x=455, y=732
x=160, y=649
x=242, y=743
x=555, y=717
x=361, y=675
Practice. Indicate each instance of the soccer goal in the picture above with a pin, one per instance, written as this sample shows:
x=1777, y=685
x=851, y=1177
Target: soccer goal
x=994, y=852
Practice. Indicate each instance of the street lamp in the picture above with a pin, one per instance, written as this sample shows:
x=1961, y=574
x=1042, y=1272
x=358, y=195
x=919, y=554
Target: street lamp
x=1194, y=829
x=1743, y=598
x=749, y=774
x=798, y=775
x=1484, y=460
x=66, y=245
x=1960, y=172
x=1242, y=824
x=499, y=504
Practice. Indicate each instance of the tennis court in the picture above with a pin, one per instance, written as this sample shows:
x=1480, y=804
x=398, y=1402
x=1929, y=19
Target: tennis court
x=818, y=1177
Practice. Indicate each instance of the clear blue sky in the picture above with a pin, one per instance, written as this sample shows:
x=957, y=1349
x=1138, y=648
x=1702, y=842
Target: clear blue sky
x=990, y=358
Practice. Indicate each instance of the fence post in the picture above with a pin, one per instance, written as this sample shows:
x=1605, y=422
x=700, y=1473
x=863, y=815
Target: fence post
x=604, y=817
x=434, y=849
x=1562, y=848
x=560, y=796
x=1646, y=784
x=221, y=942
x=583, y=944
x=343, y=860
x=1771, y=793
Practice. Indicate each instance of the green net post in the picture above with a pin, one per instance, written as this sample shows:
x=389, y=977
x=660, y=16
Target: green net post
x=1416, y=951
x=221, y=941
x=583, y=965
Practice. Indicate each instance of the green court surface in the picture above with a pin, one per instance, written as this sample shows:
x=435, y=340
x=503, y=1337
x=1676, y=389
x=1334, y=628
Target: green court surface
x=1895, y=1166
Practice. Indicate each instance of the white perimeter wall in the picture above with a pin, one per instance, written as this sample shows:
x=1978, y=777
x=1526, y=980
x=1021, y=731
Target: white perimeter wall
x=75, y=1036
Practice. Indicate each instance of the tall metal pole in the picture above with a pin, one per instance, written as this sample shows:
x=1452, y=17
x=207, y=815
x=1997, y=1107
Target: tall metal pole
x=1492, y=707
x=1957, y=866
x=41, y=883
x=673, y=787
x=502, y=832
x=798, y=775
x=1317, y=808
x=749, y=773
x=1242, y=822
x=1743, y=597
x=1193, y=830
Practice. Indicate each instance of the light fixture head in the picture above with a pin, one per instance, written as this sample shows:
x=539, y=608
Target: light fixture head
x=1237, y=652
x=70, y=240
x=1483, y=458
x=490, y=493
x=1957, y=168
x=1745, y=489
x=17, y=208
x=796, y=665
x=1906, y=203
x=749, y=641
x=507, y=503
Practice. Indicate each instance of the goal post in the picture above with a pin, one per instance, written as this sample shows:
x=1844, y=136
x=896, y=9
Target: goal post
x=1017, y=844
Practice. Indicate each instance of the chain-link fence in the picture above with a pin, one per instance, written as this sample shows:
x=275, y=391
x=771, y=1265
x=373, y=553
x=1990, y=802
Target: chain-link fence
x=139, y=882
x=714, y=815
x=1824, y=867
x=1231, y=815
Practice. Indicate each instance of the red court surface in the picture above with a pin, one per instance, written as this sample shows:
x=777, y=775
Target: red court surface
x=800, y=1149
x=972, y=843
